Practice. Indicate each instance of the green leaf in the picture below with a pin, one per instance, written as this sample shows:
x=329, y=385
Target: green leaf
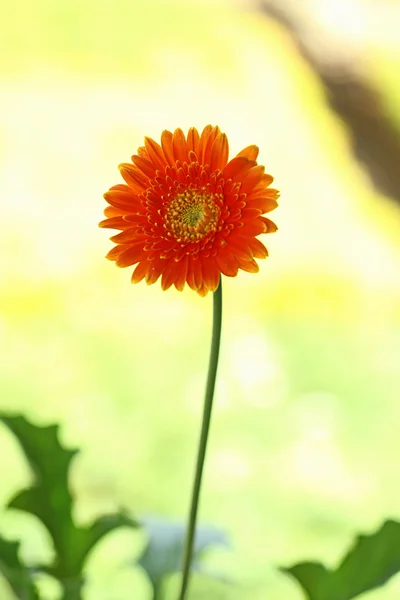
x=19, y=577
x=372, y=561
x=50, y=500
x=163, y=553
x=312, y=578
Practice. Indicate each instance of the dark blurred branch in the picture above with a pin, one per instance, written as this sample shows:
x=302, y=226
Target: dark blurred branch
x=374, y=136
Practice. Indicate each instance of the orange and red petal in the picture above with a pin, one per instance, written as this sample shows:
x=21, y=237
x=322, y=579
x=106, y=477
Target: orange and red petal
x=114, y=223
x=129, y=236
x=113, y=211
x=253, y=228
x=270, y=225
x=179, y=146
x=263, y=183
x=257, y=247
x=227, y=262
x=155, y=153
x=170, y=274
x=197, y=272
x=263, y=203
x=237, y=168
x=115, y=252
x=123, y=198
x=155, y=269
x=211, y=273
x=251, y=179
x=250, y=152
x=193, y=140
x=249, y=265
x=166, y=143
x=140, y=271
x=180, y=279
x=207, y=139
x=240, y=247
x=145, y=166
x=131, y=255
x=135, y=179
x=219, y=152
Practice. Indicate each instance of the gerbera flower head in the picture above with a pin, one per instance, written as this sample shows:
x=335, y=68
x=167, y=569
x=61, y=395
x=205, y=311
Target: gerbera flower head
x=188, y=215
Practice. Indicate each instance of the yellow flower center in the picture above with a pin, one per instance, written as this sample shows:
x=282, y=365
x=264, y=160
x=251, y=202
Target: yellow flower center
x=191, y=215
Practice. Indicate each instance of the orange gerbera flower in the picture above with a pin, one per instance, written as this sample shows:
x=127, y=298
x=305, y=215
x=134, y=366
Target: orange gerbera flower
x=187, y=214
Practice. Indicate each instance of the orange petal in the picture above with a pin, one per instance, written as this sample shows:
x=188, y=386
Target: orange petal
x=135, y=219
x=155, y=153
x=133, y=177
x=146, y=166
x=197, y=273
x=250, y=152
x=250, y=213
x=190, y=275
x=170, y=274
x=266, y=191
x=253, y=228
x=258, y=249
x=264, y=182
x=140, y=271
x=215, y=131
x=263, y=203
x=112, y=211
x=166, y=143
x=122, y=198
x=205, y=134
x=129, y=236
x=115, y=252
x=179, y=146
x=240, y=248
x=203, y=291
x=131, y=255
x=155, y=268
x=142, y=152
x=248, y=265
x=227, y=263
x=193, y=140
x=252, y=178
x=270, y=225
x=114, y=223
x=211, y=274
x=237, y=168
x=120, y=187
x=219, y=152
x=181, y=276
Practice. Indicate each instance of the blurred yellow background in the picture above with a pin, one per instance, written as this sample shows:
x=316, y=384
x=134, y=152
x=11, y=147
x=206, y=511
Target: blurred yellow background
x=304, y=448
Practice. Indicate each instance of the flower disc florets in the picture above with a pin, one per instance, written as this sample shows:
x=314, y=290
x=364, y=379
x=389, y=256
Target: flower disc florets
x=187, y=214
x=191, y=215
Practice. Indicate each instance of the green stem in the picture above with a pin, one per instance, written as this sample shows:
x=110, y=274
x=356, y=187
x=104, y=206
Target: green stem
x=157, y=592
x=205, y=427
x=72, y=589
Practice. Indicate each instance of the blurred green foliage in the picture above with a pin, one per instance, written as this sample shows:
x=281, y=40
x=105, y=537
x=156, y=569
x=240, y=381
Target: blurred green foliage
x=371, y=562
x=49, y=500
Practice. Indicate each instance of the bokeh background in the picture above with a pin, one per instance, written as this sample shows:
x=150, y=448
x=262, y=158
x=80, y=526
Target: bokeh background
x=305, y=443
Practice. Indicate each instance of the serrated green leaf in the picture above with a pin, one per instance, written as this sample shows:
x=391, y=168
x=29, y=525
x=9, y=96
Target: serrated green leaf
x=370, y=563
x=50, y=500
x=163, y=553
x=312, y=578
x=18, y=576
